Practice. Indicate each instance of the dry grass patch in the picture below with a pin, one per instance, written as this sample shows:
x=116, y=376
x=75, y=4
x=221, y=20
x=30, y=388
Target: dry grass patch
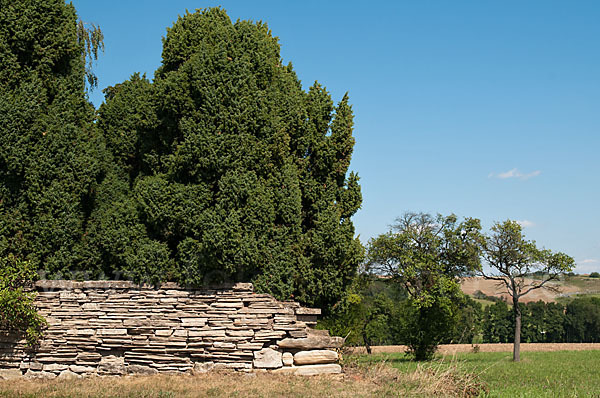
x=372, y=380
x=447, y=379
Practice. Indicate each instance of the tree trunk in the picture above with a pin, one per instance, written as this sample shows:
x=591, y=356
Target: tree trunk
x=517, y=343
x=366, y=340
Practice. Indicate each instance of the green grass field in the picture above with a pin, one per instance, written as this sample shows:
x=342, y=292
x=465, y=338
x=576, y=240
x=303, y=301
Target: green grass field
x=539, y=374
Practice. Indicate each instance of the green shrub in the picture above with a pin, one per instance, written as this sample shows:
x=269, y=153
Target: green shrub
x=17, y=311
x=595, y=275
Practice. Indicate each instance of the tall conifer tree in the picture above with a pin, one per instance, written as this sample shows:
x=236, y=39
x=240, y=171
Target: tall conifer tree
x=239, y=173
x=49, y=165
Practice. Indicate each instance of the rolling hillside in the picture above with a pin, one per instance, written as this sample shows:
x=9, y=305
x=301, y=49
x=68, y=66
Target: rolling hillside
x=571, y=286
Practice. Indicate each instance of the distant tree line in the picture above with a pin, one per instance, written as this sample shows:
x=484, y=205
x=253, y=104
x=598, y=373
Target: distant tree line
x=380, y=315
x=576, y=322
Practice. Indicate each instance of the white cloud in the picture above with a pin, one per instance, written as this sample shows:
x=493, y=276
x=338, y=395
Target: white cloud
x=587, y=265
x=515, y=173
x=526, y=223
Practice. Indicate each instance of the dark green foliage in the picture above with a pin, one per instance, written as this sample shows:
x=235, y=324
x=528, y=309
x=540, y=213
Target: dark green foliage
x=124, y=119
x=17, y=312
x=542, y=322
x=498, y=323
x=595, y=275
x=469, y=325
x=545, y=322
x=377, y=311
x=368, y=314
x=236, y=173
x=426, y=255
x=49, y=150
x=422, y=329
x=582, y=320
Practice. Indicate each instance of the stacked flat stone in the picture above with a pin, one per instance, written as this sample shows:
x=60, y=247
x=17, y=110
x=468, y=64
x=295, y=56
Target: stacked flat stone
x=108, y=328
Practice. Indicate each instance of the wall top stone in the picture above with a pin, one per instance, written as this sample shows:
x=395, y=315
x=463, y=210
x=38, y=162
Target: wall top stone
x=71, y=285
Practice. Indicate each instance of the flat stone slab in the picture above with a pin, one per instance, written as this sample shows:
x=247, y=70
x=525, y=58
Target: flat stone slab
x=315, y=357
x=313, y=370
x=310, y=370
x=312, y=342
x=267, y=358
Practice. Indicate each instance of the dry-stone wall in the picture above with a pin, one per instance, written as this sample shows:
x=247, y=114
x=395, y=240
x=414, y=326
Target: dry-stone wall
x=118, y=328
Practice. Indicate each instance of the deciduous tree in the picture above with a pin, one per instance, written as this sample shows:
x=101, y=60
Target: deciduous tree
x=512, y=260
x=426, y=255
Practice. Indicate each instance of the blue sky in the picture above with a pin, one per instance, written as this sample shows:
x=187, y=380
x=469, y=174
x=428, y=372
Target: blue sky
x=485, y=109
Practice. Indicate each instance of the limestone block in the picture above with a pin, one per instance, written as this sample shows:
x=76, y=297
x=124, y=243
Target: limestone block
x=287, y=359
x=10, y=374
x=82, y=369
x=112, y=332
x=81, y=332
x=241, y=333
x=67, y=295
x=89, y=356
x=193, y=322
x=298, y=334
x=285, y=370
x=248, y=287
x=224, y=345
x=227, y=304
x=169, y=300
x=36, y=366
x=308, y=311
x=68, y=375
x=269, y=334
x=311, y=370
x=315, y=357
x=314, y=341
x=55, y=367
x=239, y=366
x=90, y=306
x=39, y=375
x=203, y=367
x=111, y=365
x=164, y=332
x=141, y=369
x=267, y=358
x=207, y=333
x=250, y=346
